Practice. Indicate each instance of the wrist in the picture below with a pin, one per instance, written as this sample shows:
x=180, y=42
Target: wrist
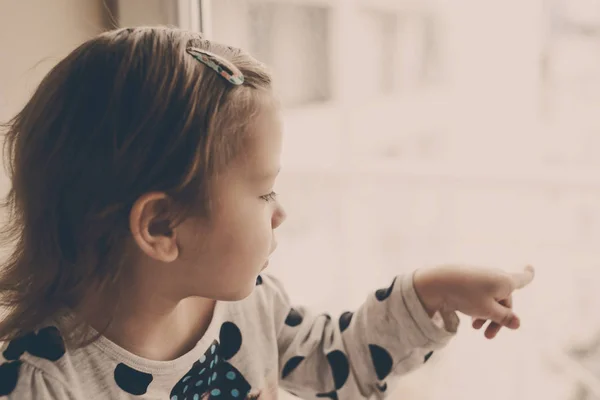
x=426, y=284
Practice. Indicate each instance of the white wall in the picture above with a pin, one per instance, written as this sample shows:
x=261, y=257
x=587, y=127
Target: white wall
x=35, y=35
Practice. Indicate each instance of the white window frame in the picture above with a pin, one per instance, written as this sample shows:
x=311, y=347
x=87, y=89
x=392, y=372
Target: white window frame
x=189, y=15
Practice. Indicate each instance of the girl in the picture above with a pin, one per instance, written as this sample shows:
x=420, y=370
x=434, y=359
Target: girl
x=142, y=213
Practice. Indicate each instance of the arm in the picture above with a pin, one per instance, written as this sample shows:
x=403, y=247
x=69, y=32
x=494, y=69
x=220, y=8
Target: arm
x=355, y=355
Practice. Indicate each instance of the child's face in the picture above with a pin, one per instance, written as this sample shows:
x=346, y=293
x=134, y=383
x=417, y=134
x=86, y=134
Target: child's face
x=223, y=258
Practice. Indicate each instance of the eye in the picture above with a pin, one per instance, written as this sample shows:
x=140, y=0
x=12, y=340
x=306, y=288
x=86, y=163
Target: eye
x=269, y=197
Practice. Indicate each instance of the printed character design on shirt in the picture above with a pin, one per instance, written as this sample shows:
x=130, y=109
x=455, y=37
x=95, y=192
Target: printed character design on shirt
x=47, y=343
x=212, y=376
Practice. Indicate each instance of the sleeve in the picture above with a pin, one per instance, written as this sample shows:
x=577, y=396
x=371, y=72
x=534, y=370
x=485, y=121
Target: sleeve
x=21, y=381
x=357, y=354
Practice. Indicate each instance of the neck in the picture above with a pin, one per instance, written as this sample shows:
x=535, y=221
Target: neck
x=152, y=323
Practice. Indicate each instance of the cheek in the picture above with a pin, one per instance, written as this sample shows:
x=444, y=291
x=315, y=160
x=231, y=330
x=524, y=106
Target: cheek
x=254, y=233
x=227, y=259
x=245, y=232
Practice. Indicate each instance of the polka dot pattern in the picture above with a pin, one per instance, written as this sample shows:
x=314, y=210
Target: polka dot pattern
x=340, y=368
x=47, y=343
x=345, y=320
x=132, y=381
x=330, y=395
x=383, y=294
x=294, y=318
x=382, y=361
x=291, y=365
x=381, y=387
x=231, y=340
x=427, y=356
x=9, y=376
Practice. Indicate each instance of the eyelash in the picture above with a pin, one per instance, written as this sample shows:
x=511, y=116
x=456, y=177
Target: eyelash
x=269, y=197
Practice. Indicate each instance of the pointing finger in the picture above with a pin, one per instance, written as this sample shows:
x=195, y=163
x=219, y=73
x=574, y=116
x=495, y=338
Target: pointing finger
x=522, y=279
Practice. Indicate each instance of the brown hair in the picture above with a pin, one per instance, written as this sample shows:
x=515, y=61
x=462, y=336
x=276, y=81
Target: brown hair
x=126, y=113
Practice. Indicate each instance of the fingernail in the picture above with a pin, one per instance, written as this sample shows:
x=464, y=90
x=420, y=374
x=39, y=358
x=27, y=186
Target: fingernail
x=529, y=268
x=515, y=322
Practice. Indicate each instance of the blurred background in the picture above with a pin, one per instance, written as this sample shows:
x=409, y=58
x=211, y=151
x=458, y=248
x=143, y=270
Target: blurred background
x=417, y=132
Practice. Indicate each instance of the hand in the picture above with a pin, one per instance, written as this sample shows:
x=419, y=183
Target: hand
x=482, y=293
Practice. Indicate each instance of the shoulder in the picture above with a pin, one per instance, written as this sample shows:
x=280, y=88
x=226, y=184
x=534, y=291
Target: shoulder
x=35, y=366
x=21, y=380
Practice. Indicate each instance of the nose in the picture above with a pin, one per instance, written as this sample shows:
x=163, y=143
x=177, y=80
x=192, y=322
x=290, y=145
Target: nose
x=279, y=217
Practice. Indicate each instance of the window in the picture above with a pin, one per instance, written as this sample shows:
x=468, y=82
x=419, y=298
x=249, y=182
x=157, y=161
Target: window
x=570, y=72
x=145, y=12
x=292, y=38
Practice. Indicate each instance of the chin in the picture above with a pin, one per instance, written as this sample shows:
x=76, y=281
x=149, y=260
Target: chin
x=241, y=294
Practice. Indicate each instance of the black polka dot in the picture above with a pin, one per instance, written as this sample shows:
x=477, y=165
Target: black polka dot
x=132, y=381
x=48, y=344
x=381, y=388
x=340, y=368
x=259, y=280
x=345, y=320
x=294, y=318
x=383, y=294
x=382, y=361
x=9, y=376
x=330, y=395
x=291, y=365
x=18, y=346
x=231, y=340
x=428, y=356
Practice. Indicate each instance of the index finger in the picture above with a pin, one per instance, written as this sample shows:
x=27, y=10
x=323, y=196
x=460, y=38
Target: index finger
x=524, y=278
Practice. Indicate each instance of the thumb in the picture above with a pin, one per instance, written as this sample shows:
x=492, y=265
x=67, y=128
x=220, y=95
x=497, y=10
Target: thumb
x=523, y=278
x=503, y=316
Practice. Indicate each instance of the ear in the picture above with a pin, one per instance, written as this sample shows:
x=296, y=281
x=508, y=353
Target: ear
x=151, y=228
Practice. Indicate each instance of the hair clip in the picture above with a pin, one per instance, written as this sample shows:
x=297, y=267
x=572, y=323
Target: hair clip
x=220, y=65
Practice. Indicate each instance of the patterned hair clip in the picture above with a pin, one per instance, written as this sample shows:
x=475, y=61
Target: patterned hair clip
x=220, y=65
